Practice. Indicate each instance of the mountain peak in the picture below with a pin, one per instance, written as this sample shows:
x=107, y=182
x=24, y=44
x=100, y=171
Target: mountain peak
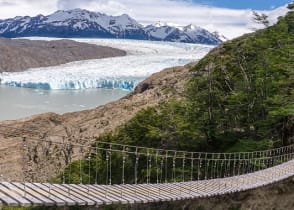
x=83, y=23
x=159, y=24
x=191, y=27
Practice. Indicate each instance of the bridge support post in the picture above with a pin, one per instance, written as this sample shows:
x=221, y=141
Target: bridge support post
x=24, y=140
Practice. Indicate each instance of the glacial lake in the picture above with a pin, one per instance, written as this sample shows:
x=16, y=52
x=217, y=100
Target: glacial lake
x=17, y=103
x=86, y=84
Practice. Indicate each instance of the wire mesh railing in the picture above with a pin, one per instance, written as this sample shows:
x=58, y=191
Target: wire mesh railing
x=58, y=159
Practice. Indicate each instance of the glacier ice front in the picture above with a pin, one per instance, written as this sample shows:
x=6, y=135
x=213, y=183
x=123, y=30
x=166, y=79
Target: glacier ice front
x=77, y=84
x=143, y=59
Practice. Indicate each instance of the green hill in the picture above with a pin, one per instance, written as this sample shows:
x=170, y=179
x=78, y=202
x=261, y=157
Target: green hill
x=239, y=97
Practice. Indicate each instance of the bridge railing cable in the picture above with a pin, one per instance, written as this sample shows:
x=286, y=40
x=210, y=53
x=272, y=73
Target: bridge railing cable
x=89, y=141
x=59, y=159
x=116, y=164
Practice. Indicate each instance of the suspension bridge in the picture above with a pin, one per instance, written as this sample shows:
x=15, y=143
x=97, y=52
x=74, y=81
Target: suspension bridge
x=56, y=171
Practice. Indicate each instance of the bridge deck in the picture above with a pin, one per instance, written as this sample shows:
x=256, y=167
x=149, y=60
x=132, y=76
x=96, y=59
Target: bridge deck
x=45, y=194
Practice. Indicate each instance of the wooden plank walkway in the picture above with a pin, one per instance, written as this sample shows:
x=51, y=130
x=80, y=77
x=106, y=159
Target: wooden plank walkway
x=45, y=194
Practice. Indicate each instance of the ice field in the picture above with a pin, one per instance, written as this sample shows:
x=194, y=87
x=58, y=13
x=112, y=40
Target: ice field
x=143, y=59
x=86, y=84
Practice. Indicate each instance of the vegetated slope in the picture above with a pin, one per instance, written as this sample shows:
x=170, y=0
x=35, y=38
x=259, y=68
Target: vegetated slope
x=244, y=89
x=19, y=55
x=240, y=98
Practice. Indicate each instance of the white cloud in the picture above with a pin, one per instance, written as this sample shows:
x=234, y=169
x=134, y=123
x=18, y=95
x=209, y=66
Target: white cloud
x=229, y=22
x=12, y=8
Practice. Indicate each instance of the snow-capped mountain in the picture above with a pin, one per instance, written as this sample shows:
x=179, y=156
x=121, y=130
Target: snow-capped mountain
x=83, y=23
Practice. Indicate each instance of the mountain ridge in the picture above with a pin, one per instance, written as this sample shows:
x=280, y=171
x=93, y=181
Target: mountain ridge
x=84, y=23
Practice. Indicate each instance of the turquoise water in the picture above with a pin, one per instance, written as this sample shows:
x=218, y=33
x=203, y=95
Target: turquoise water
x=17, y=103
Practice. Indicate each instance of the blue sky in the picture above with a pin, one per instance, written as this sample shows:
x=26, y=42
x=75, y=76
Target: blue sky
x=244, y=4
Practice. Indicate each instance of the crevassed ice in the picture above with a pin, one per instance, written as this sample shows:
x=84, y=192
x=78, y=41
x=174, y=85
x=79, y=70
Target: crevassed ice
x=143, y=59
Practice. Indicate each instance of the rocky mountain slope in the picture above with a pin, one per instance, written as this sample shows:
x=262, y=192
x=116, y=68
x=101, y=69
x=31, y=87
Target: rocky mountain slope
x=83, y=23
x=19, y=55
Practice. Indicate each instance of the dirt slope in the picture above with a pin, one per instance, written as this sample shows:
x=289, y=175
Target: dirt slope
x=84, y=126
x=19, y=55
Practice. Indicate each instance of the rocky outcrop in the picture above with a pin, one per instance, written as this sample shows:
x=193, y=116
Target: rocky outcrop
x=19, y=55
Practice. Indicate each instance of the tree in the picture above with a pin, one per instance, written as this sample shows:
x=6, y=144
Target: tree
x=291, y=6
x=260, y=18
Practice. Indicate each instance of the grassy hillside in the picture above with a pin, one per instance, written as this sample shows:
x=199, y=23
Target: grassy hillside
x=239, y=97
x=244, y=89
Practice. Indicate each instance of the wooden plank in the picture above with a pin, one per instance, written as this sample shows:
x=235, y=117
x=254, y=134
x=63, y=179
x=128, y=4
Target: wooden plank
x=64, y=193
x=169, y=192
x=181, y=191
x=89, y=191
x=98, y=195
x=212, y=187
x=81, y=199
x=126, y=196
x=131, y=189
x=193, y=191
x=56, y=200
x=46, y=200
x=173, y=190
x=203, y=189
x=7, y=200
x=107, y=193
x=185, y=190
x=148, y=191
x=151, y=189
x=101, y=196
x=142, y=191
x=34, y=199
x=222, y=188
x=52, y=191
x=111, y=190
x=113, y=193
x=20, y=199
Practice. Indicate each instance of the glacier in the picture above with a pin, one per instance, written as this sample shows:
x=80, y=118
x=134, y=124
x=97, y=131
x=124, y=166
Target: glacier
x=143, y=59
